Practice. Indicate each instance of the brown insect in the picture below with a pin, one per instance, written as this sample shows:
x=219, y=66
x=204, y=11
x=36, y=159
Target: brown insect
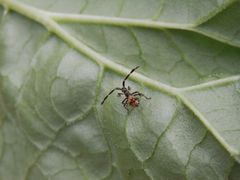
x=131, y=99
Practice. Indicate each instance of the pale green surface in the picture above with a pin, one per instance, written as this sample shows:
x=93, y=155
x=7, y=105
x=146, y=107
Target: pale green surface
x=55, y=68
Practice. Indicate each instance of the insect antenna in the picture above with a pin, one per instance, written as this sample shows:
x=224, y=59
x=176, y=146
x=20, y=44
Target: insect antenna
x=110, y=94
x=123, y=83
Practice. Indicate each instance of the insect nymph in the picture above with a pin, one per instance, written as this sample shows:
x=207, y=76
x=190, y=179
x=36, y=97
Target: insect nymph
x=131, y=99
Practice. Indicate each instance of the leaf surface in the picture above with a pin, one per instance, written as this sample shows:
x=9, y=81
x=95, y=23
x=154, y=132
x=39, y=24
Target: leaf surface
x=58, y=59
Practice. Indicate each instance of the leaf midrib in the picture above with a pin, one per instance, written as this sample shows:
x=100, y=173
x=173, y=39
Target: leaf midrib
x=118, y=21
x=48, y=22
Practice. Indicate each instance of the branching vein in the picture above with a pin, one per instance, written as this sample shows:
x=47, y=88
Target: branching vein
x=48, y=20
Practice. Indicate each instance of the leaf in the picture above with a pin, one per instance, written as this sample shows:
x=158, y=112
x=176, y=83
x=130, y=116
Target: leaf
x=58, y=59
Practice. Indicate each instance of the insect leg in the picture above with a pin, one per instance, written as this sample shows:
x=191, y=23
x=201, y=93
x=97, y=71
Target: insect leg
x=136, y=93
x=119, y=94
x=110, y=93
x=124, y=101
x=125, y=106
x=123, y=83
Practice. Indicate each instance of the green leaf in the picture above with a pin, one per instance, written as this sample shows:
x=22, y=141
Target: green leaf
x=59, y=59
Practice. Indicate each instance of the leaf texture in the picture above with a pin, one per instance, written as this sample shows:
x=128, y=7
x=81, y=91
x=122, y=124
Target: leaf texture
x=58, y=59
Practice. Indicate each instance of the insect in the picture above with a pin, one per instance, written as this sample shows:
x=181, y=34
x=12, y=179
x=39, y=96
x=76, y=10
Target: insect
x=131, y=99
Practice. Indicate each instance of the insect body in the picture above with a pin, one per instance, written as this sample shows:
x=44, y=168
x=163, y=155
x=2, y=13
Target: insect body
x=131, y=99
